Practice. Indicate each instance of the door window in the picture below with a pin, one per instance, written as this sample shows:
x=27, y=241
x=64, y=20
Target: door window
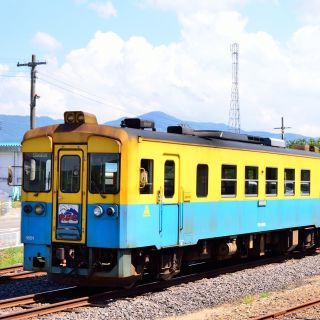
x=70, y=174
x=169, y=179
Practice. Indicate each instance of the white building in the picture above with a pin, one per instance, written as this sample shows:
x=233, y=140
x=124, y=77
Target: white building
x=10, y=155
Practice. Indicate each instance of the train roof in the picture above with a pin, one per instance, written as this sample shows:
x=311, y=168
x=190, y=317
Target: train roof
x=216, y=142
x=176, y=134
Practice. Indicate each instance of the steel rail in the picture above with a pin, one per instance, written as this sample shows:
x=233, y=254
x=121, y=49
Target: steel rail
x=289, y=310
x=20, y=275
x=11, y=269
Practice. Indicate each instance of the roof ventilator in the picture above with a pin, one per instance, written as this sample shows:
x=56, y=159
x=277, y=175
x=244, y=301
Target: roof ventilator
x=137, y=123
x=225, y=135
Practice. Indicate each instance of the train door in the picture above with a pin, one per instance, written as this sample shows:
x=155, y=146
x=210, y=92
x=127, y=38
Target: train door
x=169, y=216
x=69, y=203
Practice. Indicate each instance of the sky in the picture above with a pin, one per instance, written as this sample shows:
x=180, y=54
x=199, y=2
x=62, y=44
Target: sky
x=119, y=58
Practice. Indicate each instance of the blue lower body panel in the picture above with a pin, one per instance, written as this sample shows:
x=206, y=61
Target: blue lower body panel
x=186, y=223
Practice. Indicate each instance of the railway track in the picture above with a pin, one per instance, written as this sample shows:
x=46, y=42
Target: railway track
x=11, y=269
x=16, y=272
x=85, y=297
x=287, y=311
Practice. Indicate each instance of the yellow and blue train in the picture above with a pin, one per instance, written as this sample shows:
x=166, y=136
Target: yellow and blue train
x=103, y=205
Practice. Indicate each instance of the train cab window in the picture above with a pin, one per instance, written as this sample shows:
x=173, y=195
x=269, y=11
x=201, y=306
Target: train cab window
x=289, y=182
x=70, y=174
x=202, y=180
x=104, y=173
x=146, y=176
x=37, y=171
x=229, y=181
x=305, y=183
x=271, y=181
x=169, y=169
x=251, y=181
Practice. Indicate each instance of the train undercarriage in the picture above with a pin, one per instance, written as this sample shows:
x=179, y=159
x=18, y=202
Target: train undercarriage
x=79, y=265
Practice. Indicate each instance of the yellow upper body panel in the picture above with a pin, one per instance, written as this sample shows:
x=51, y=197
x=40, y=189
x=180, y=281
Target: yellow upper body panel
x=185, y=154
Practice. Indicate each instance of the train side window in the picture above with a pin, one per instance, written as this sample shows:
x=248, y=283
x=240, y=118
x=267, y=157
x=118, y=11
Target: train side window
x=305, y=183
x=271, y=181
x=251, y=181
x=202, y=180
x=169, y=168
x=146, y=176
x=229, y=181
x=289, y=182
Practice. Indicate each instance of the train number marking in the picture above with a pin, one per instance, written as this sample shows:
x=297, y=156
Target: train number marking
x=261, y=224
x=30, y=238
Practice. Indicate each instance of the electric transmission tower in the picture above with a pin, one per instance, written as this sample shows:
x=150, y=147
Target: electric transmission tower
x=234, y=112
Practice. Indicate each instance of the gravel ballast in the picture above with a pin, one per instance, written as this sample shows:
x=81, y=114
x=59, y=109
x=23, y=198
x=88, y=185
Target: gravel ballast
x=202, y=294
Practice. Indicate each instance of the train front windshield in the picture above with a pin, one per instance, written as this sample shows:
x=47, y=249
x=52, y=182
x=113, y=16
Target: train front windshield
x=104, y=173
x=37, y=171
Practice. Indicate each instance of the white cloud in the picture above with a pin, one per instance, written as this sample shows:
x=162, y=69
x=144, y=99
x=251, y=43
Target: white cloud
x=309, y=11
x=105, y=10
x=189, y=79
x=46, y=41
x=3, y=68
x=189, y=6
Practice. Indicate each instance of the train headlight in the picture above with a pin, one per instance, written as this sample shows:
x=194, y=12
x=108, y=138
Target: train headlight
x=80, y=117
x=98, y=211
x=27, y=208
x=69, y=117
x=39, y=209
x=111, y=212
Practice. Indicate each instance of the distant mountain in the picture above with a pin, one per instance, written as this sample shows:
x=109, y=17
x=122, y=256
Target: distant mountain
x=12, y=128
x=163, y=120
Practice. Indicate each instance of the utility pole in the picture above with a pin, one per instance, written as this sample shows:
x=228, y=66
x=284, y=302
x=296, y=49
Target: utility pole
x=282, y=128
x=33, y=95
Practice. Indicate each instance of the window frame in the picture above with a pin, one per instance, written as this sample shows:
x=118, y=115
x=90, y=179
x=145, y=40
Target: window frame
x=234, y=180
x=248, y=180
x=287, y=181
x=117, y=189
x=23, y=177
x=150, y=185
x=166, y=180
x=272, y=180
x=79, y=173
x=204, y=184
x=308, y=182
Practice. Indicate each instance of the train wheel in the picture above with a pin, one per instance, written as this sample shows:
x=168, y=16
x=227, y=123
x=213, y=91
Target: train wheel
x=169, y=264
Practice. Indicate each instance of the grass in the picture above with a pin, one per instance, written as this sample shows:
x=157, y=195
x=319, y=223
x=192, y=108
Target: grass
x=248, y=299
x=264, y=295
x=11, y=256
x=16, y=204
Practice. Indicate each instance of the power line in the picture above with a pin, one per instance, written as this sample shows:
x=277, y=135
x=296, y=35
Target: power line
x=81, y=95
x=11, y=76
x=71, y=86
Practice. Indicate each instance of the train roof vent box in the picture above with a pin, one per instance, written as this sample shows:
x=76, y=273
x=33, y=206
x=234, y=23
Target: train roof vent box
x=137, y=123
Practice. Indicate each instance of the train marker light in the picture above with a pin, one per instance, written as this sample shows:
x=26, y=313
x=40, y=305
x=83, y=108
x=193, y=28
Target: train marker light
x=39, y=209
x=111, y=212
x=98, y=211
x=27, y=208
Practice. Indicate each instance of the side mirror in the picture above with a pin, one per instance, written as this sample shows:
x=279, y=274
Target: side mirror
x=14, y=175
x=10, y=176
